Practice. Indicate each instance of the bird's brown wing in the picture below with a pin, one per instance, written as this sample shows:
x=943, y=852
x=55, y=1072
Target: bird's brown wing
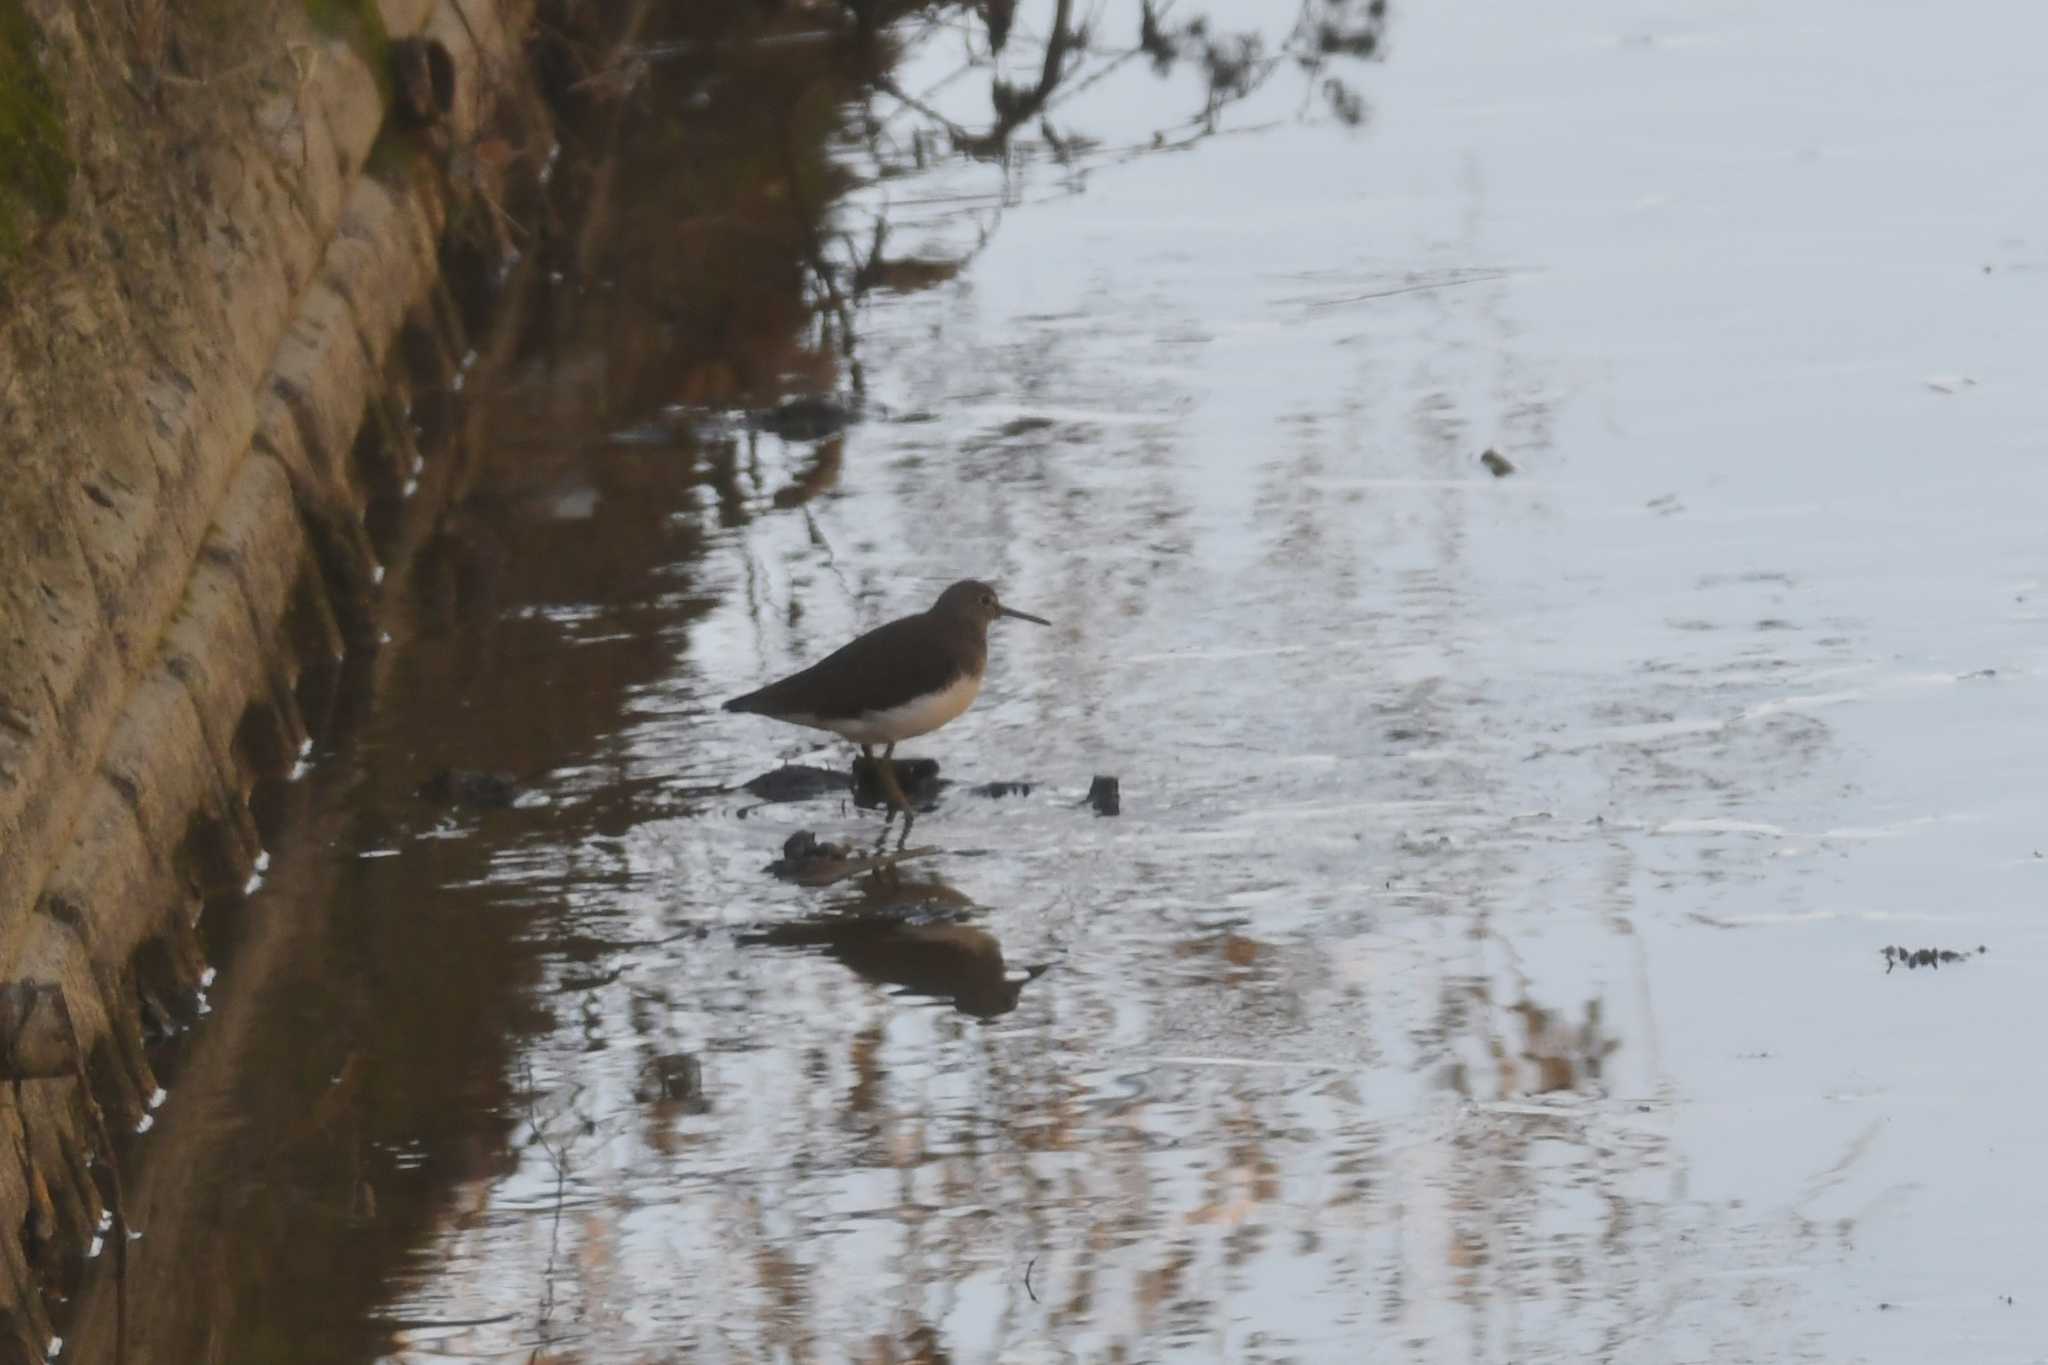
x=885, y=667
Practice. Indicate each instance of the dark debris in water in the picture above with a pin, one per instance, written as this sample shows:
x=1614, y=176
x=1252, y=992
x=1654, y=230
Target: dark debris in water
x=995, y=791
x=1910, y=958
x=1496, y=463
x=1105, y=797
x=469, y=787
x=806, y=417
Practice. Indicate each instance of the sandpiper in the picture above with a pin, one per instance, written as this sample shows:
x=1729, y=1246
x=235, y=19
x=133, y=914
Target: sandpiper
x=896, y=682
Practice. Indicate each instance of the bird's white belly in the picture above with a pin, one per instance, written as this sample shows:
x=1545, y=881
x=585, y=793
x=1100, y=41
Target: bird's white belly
x=919, y=716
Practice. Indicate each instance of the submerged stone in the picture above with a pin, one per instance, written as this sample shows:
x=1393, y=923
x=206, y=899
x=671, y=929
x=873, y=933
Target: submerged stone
x=798, y=782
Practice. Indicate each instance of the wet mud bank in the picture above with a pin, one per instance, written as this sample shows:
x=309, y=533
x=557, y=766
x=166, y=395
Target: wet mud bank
x=232, y=340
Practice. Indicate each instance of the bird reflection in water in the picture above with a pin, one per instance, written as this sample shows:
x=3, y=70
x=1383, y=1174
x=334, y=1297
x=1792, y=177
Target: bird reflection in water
x=913, y=935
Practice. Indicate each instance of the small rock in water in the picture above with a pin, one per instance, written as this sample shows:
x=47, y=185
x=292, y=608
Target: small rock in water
x=466, y=787
x=919, y=778
x=804, y=852
x=997, y=790
x=1103, y=795
x=797, y=782
x=1496, y=463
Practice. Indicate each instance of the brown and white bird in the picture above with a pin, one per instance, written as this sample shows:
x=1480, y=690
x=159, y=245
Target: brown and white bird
x=896, y=682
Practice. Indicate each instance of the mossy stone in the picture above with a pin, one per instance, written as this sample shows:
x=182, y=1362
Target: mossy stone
x=35, y=168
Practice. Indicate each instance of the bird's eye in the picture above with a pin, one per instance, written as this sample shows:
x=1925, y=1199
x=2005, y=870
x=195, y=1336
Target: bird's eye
x=988, y=599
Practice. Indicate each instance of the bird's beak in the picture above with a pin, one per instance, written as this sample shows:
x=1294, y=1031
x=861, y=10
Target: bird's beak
x=1023, y=616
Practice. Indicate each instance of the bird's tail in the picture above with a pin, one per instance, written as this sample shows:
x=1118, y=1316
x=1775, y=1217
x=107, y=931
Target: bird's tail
x=750, y=702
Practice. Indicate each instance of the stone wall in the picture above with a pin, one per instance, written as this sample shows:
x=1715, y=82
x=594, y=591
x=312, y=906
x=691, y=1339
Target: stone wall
x=213, y=361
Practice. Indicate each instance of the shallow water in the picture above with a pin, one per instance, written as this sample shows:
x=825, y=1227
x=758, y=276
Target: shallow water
x=1485, y=965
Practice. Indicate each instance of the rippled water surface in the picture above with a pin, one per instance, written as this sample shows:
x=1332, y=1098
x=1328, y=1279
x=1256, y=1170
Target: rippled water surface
x=1486, y=963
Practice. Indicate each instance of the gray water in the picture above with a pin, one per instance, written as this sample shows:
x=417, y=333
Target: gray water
x=1486, y=964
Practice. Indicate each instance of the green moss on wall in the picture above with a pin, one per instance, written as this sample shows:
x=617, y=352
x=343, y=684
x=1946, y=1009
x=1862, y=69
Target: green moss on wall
x=35, y=171
x=349, y=19
x=359, y=24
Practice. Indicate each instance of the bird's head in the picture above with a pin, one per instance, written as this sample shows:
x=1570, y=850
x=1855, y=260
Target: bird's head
x=977, y=601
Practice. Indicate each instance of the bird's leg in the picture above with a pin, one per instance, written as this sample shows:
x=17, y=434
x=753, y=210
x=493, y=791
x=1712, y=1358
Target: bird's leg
x=867, y=751
x=885, y=772
x=891, y=788
x=894, y=790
